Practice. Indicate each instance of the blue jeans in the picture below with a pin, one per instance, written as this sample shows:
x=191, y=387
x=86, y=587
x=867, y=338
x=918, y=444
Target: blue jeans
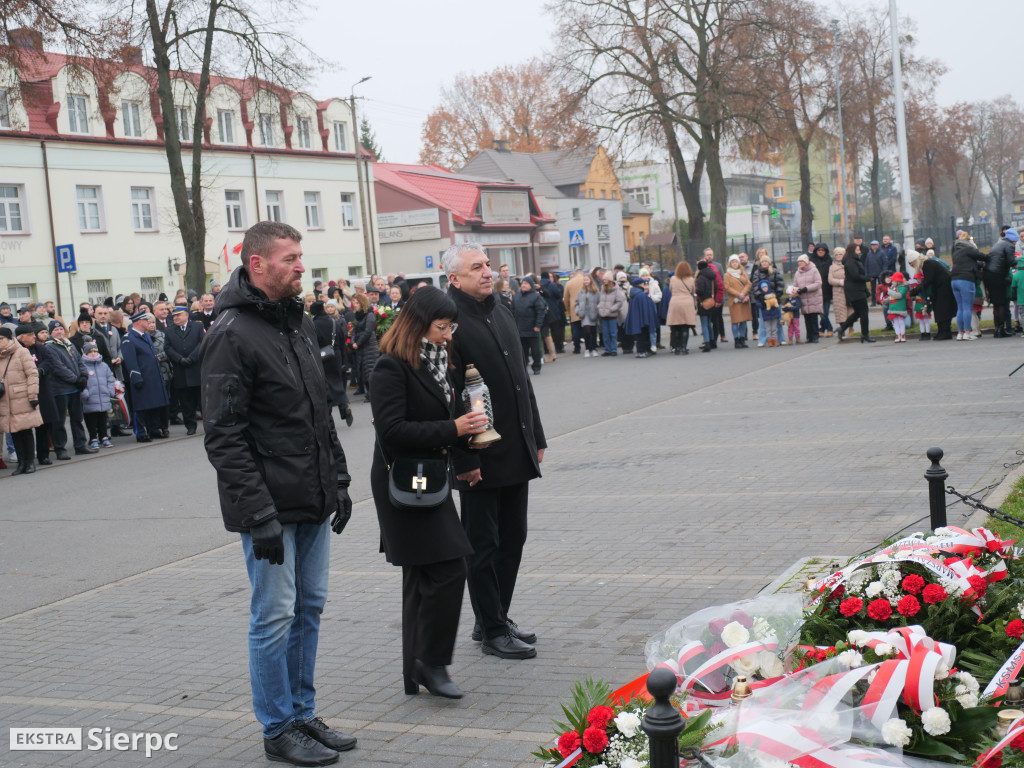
x=963, y=292
x=826, y=324
x=284, y=626
x=739, y=330
x=707, y=330
x=610, y=333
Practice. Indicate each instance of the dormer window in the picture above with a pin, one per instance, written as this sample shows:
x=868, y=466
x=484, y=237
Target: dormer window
x=267, y=130
x=78, y=114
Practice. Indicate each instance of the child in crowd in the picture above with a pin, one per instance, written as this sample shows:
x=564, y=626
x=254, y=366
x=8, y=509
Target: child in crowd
x=791, y=316
x=770, y=313
x=897, y=305
x=922, y=301
x=1017, y=293
x=96, y=397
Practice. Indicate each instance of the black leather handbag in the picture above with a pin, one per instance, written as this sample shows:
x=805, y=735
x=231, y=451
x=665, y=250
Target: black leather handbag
x=416, y=483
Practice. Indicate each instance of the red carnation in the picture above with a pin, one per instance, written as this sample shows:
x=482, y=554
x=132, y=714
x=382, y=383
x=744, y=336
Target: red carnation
x=994, y=545
x=716, y=626
x=913, y=584
x=599, y=717
x=1018, y=742
x=742, y=618
x=851, y=606
x=908, y=606
x=568, y=743
x=933, y=593
x=979, y=584
x=995, y=761
x=838, y=593
x=1015, y=629
x=595, y=740
x=879, y=610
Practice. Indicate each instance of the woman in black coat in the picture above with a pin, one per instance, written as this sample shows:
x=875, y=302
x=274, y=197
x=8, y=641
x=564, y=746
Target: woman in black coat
x=856, y=290
x=328, y=334
x=364, y=342
x=414, y=414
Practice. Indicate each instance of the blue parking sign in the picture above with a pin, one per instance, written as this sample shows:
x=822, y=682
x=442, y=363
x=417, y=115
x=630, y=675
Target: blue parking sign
x=430, y=262
x=66, y=258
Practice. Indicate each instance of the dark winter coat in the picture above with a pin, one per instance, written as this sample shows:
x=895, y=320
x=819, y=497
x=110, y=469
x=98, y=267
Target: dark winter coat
x=529, y=309
x=96, y=336
x=823, y=265
x=69, y=374
x=936, y=279
x=47, y=365
x=642, y=313
x=413, y=420
x=488, y=338
x=269, y=431
x=1001, y=258
x=364, y=334
x=967, y=261
x=890, y=256
x=855, y=285
x=183, y=352
x=704, y=287
x=874, y=263
x=776, y=284
x=554, y=293
x=330, y=334
x=99, y=388
x=141, y=365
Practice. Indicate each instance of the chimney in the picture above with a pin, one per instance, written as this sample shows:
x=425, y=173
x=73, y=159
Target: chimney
x=29, y=39
x=501, y=145
x=550, y=147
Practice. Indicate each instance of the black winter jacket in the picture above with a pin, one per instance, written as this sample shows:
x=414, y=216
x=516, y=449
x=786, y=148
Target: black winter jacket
x=269, y=431
x=1001, y=258
x=855, y=285
x=967, y=261
x=529, y=308
x=775, y=280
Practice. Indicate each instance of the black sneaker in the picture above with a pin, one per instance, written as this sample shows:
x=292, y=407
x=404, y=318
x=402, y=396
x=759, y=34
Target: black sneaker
x=318, y=730
x=294, y=746
x=507, y=647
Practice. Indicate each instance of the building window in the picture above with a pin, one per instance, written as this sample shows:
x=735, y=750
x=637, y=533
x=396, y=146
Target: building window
x=348, y=210
x=97, y=290
x=600, y=214
x=605, y=250
x=21, y=294
x=234, y=209
x=5, y=109
x=312, y=200
x=355, y=271
x=142, y=209
x=275, y=199
x=267, y=130
x=90, y=213
x=78, y=114
x=131, y=118
x=603, y=194
x=778, y=191
x=151, y=287
x=641, y=194
x=340, y=137
x=305, y=140
x=576, y=214
x=183, y=116
x=226, y=126
x=319, y=274
x=10, y=209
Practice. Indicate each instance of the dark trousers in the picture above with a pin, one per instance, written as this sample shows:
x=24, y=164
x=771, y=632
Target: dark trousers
x=811, y=322
x=558, y=334
x=717, y=323
x=69, y=405
x=42, y=442
x=495, y=522
x=874, y=291
x=431, y=603
x=642, y=340
x=24, y=446
x=626, y=339
x=826, y=322
x=590, y=337
x=577, y=335
x=96, y=423
x=147, y=422
x=188, y=398
x=860, y=311
x=679, y=336
x=531, y=346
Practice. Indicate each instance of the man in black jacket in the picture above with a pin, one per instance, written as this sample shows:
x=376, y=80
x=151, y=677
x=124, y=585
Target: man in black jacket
x=281, y=473
x=182, y=341
x=494, y=482
x=995, y=278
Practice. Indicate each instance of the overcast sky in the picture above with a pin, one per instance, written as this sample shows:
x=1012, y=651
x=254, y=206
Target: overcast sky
x=413, y=49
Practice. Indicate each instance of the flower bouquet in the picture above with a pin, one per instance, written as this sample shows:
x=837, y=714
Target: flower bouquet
x=384, y=317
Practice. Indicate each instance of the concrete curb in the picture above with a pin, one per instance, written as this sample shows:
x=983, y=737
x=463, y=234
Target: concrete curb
x=996, y=498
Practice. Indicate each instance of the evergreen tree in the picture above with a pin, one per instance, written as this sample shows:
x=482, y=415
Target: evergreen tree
x=368, y=139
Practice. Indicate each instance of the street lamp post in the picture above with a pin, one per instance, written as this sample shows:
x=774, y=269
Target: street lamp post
x=363, y=203
x=842, y=151
x=901, y=134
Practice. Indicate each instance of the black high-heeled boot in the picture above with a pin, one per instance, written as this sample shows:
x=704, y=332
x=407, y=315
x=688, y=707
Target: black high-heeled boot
x=434, y=679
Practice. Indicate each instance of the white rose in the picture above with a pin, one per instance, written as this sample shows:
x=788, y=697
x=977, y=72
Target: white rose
x=936, y=721
x=745, y=665
x=874, y=589
x=896, y=732
x=857, y=636
x=851, y=659
x=627, y=724
x=735, y=634
x=771, y=665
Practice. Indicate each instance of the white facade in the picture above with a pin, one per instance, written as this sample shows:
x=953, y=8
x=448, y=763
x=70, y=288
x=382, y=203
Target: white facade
x=590, y=233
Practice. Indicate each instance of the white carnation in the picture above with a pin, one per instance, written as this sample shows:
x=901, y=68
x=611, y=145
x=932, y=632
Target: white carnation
x=857, y=636
x=735, y=634
x=896, y=732
x=874, y=589
x=771, y=665
x=966, y=698
x=936, y=721
x=944, y=533
x=631, y=762
x=967, y=679
x=851, y=659
x=627, y=724
x=857, y=578
x=890, y=579
x=941, y=671
x=1020, y=609
x=745, y=665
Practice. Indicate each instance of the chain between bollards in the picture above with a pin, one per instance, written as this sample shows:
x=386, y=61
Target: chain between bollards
x=662, y=722
x=936, y=477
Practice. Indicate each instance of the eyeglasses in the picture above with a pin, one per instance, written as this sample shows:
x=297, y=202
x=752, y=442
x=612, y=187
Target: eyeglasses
x=446, y=327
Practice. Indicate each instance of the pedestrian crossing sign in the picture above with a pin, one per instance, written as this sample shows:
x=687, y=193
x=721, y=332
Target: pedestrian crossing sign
x=575, y=237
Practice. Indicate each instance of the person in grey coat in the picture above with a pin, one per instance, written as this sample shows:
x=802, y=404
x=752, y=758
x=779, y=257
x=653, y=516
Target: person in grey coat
x=99, y=391
x=529, y=308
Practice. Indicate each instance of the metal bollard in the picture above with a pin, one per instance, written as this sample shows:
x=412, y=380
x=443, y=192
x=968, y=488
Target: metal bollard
x=936, y=477
x=662, y=723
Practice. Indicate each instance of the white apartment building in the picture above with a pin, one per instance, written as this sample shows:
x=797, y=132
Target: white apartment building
x=82, y=163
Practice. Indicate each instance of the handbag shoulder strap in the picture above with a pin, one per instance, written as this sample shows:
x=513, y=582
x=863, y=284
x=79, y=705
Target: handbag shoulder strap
x=9, y=358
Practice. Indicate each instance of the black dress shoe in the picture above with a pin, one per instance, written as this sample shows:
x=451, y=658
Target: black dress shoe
x=190, y=431
x=29, y=468
x=20, y=470
x=296, y=747
x=161, y=434
x=866, y=340
x=435, y=680
x=46, y=462
x=507, y=647
x=143, y=439
x=86, y=450
x=318, y=730
x=523, y=634
x=62, y=455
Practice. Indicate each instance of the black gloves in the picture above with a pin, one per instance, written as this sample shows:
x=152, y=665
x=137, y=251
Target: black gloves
x=138, y=384
x=185, y=362
x=803, y=290
x=81, y=381
x=34, y=403
x=268, y=541
x=344, y=512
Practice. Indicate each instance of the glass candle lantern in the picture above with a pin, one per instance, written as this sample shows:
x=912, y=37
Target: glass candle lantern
x=477, y=397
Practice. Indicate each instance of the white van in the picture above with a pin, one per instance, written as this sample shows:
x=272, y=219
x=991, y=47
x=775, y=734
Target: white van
x=436, y=279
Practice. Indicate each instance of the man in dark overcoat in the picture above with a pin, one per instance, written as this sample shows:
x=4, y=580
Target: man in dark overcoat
x=142, y=371
x=182, y=341
x=494, y=482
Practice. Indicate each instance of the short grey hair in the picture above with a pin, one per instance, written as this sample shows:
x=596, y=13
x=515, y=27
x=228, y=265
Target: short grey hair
x=452, y=258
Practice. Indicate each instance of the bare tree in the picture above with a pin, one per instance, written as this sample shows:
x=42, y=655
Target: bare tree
x=937, y=142
x=1000, y=147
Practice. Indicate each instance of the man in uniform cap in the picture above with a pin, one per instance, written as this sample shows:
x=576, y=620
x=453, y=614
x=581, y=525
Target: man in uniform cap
x=142, y=370
x=182, y=341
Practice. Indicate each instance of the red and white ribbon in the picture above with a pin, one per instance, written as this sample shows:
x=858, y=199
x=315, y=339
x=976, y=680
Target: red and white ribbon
x=1007, y=673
